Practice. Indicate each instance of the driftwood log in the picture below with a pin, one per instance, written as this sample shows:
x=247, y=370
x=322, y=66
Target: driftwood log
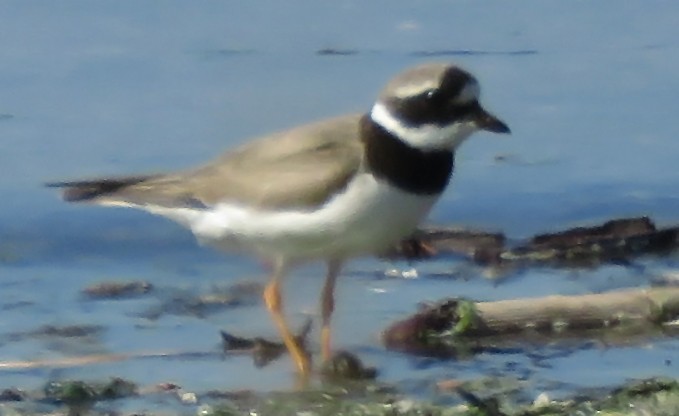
x=439, y=328
x=616, y=241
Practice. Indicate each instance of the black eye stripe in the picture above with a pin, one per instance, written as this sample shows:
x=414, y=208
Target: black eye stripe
x=430, y=95
x=430, y=107
x=465, y=108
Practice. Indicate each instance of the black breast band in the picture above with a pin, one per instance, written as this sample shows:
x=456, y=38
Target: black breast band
x=410, y=169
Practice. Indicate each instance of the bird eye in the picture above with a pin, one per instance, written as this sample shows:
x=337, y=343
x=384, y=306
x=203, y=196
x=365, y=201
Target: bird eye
x=431, y=95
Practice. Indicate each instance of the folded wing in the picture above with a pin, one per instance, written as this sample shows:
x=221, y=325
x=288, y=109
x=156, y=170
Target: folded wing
x=297, y=168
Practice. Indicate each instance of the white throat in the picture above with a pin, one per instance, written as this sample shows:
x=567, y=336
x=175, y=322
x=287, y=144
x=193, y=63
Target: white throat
x=427, y=136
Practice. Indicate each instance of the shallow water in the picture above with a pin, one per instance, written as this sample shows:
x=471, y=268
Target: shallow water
x=589, y=89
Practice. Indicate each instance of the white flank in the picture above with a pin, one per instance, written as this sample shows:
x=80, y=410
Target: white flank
x=425, y=137
x=366, y=218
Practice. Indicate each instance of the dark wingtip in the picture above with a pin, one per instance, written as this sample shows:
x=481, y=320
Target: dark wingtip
x=79, y=191
x=74, y=194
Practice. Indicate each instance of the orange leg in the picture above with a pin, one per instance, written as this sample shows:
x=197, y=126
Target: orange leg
x=274, y=303
x=328, y=306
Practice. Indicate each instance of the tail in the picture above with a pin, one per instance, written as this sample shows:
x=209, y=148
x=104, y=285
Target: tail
x=96, y=189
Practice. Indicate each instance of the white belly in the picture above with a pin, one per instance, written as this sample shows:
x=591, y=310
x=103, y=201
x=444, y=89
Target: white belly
x=366, y=218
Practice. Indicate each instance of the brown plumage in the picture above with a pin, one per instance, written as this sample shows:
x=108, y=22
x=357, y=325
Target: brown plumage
x=316, y=160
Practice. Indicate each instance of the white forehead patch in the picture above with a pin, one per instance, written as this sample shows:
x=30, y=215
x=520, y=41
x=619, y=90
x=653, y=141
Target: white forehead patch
x=469, y=93
x=426, y=136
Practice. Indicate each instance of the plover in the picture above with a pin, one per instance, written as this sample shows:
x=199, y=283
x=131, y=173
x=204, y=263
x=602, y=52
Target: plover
x=331, y=190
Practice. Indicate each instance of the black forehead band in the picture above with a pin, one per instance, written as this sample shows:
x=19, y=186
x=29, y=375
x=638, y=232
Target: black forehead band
x=454, y=80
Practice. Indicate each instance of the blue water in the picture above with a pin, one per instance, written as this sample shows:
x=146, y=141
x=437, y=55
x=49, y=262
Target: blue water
x=92, y=89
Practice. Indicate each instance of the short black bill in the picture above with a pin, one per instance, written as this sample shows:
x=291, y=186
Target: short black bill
x=489, y=122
